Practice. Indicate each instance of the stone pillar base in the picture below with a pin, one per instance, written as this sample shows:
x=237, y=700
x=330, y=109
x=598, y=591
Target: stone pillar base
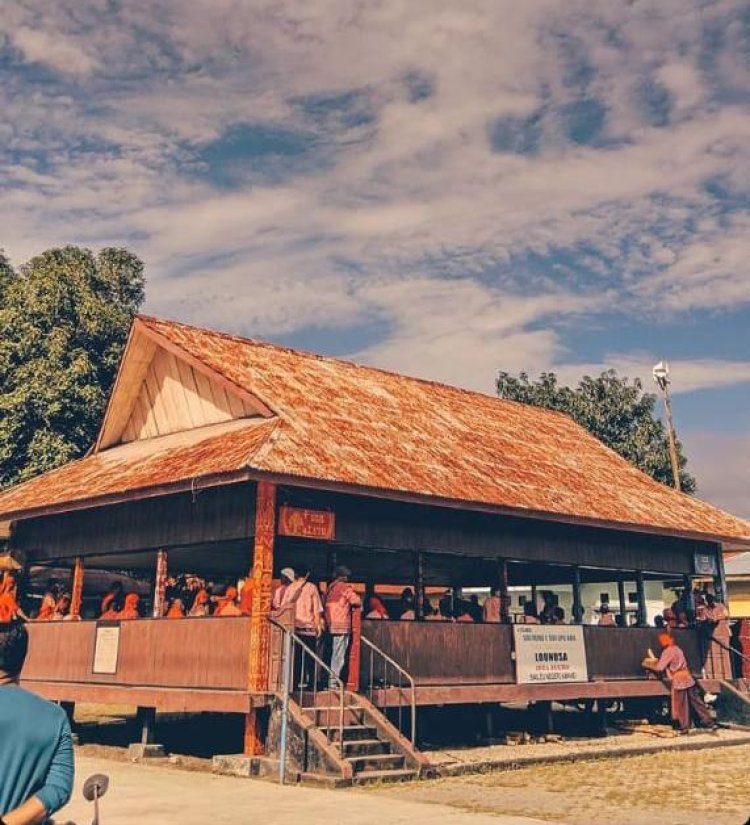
x=137, y=752
x=247, y=766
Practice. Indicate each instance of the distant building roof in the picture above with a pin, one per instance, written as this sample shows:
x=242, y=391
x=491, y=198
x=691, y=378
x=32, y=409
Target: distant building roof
x=738, y=565
x=346, y=426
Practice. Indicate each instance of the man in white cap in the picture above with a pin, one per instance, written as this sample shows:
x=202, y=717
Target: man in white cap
x=308, y=620
x=287, y=577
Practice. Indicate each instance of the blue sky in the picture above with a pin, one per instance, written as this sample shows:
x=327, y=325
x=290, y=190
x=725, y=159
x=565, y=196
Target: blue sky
x=443, y=189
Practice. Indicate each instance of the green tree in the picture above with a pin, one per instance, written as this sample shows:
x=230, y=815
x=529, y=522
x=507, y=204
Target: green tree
x=64, y=319
x=616, y=410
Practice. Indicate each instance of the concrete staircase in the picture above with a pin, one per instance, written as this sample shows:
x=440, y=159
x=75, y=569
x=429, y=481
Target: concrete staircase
x=367, y=748
x=372, y=754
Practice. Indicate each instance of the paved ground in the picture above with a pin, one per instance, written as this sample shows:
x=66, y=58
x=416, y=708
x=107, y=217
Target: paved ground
x=619, y=743
x=675, y=787
x=163, y=796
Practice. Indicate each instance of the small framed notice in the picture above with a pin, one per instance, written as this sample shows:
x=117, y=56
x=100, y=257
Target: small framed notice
x=705, y=564
x=106, y=648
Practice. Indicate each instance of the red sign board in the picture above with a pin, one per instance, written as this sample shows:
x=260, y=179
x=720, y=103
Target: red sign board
x=307, y=524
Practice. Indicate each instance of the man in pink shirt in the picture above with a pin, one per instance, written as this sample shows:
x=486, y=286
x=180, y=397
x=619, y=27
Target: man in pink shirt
x=341, y=600
x=308, y=622
x=673, y=666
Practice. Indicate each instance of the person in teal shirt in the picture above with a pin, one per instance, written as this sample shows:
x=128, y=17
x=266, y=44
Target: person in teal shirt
x=36, y=747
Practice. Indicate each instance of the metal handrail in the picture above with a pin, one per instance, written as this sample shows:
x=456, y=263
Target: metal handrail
x=387, y=661
x=319, y=666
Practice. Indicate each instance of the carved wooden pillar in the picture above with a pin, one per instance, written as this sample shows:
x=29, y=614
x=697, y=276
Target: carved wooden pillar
x=76, y=591
x=265, y=532
x=160, y=585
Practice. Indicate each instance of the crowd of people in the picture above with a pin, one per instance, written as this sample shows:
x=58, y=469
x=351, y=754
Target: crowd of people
x=192, y=596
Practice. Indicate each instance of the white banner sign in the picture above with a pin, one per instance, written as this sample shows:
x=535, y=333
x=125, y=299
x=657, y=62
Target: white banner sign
x=549, y=653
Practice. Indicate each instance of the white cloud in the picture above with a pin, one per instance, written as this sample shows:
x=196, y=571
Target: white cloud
x=52, y=49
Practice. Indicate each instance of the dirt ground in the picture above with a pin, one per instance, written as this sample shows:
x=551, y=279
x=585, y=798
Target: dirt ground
x=677, y=788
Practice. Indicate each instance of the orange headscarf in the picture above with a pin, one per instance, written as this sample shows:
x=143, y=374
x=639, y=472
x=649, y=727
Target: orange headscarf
x=246, y=597
x=375, y=605
x=8, y=603
x=665, y=639
x=227, y=602
x=130, y=611
x=47, y=609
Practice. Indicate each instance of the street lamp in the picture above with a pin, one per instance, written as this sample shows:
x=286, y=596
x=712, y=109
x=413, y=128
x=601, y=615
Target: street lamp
x=660, y=373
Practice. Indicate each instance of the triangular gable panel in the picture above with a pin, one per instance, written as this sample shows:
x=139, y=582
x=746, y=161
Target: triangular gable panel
x=174, y=397
x=159, y=392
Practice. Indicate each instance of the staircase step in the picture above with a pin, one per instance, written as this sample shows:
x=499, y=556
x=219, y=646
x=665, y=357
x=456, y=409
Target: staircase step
x=351, y=732
x=366, y=747
x=372, y=777
x=376, y=762
x=330, y=716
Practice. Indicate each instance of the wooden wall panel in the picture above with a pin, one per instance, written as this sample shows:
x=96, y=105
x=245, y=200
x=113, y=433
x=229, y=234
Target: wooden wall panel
x=442, y=653
x=617, y=652
x=216, y=514
x=209, y=653
x=377, y=523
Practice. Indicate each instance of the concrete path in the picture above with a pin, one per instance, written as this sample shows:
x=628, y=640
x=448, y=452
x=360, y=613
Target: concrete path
x=164, y=796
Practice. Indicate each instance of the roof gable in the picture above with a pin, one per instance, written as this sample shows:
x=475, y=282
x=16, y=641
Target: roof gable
x=161, y=390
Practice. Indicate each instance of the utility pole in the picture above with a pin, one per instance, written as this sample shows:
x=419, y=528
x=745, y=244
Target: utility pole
x=661, y=376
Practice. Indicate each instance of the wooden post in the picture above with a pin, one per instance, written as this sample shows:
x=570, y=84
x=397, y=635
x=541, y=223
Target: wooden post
x=265, y=532
x=720, y=581
x=355, y=652
x=687, y=597
x=146, y=720
x=642, y=615
x=76, y=591
x=623, y=602
x=160, y=585
x=502, y=582
x=419, y=587
x=577, y=604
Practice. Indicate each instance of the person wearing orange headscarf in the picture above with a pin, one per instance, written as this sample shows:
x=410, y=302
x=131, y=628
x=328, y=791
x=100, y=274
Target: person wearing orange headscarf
x=376, y=609
x=227, y=605
x=201, y=605
x=10, y=610
x=686, y=700
x=130, y=611
x=111, y=601
x=62, y=609
x=246, y=596
x=48, y=606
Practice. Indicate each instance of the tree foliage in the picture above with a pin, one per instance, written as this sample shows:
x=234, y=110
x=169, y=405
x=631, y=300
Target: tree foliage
x=64, y=319
x=616, y=410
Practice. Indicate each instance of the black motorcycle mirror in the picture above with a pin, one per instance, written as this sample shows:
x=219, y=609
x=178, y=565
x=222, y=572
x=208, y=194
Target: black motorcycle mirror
x=94, y=789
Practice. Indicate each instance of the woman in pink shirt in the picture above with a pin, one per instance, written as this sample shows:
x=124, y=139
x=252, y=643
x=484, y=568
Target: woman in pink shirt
x=341, y=600
x=673, y=665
